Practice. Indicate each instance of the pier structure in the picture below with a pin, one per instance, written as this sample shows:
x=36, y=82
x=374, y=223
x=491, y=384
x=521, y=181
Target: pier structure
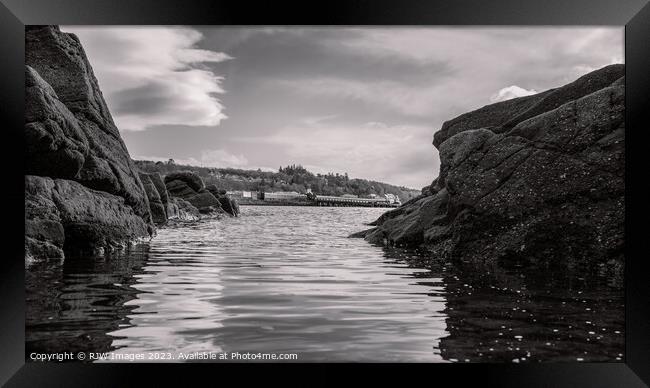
x=310, y=199
x=326, y=200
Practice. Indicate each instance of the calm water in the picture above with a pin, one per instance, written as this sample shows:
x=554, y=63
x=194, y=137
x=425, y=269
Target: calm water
x=288, y=280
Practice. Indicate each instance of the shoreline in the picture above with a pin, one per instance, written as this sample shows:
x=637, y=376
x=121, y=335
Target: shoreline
x=263, y=203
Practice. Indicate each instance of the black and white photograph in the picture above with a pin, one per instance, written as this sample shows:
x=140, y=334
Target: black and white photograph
x=283, y=194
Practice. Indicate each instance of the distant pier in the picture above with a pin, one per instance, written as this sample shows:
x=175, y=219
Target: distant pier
x=325, y=200
x=296, y=199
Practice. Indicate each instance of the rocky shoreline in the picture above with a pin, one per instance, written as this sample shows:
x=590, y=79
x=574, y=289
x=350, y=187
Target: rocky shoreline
x=83, y=193
x=532, y=180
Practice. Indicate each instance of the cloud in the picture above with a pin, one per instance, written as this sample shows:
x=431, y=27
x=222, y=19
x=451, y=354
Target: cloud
x=223, y=158
x=397, y=154
x=154, y=75
x=469, y=63
x=396, y=96
x=510, y=92
x=363, y=100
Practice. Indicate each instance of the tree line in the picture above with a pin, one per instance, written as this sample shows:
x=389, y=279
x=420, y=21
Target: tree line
x=290, y=178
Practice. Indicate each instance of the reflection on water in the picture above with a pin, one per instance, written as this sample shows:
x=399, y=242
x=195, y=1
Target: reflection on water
x=532, y=314
x=72, y=306
x=288, y=280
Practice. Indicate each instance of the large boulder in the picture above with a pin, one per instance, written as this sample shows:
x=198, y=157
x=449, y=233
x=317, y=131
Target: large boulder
x=190, y=178
x=158, y=182
x=180, y=209
x=189, y=186
x=205, y=202
x=549, y=189
x=44, y=233
x=233, y=206
x=156, y=205
x=228, y=204
x=179, y=189
x=70, y=132
x=63, y=214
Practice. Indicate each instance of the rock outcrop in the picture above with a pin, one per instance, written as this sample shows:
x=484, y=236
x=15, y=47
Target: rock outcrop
x=60, y=60
x=504, y=115
x=63, y=214
x=180, y=210
x=156, y=205
x=83, y=191
x=72, y=139
x=533, y=179
x=490, y=116
x=228, y=204
x=189, y=186
x=159, y=183
x=163, y=206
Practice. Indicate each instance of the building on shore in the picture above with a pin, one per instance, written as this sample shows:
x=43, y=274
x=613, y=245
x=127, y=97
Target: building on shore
x=392, y=198
x=282, y=195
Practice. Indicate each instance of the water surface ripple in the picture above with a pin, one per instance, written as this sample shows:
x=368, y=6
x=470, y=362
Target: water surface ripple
x=288, y=280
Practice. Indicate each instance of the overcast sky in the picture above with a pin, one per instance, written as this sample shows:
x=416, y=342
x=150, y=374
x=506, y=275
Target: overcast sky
x=365, y=101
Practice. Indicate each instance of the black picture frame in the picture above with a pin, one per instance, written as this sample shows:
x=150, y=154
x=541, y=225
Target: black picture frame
x=633, y=14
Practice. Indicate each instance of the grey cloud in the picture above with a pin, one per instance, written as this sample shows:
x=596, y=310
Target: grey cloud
x=154, y=75
x=288, y=53
x=152, y=98
x=280, y=79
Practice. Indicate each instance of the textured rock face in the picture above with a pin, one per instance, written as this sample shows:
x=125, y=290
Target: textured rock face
x=178, y=188
x=55, y=143
x=67, y=118
x=581, y=87
x=228, y=204
x=191, y=180
x=489, y=116
x=82, y=190
x=158, y=182
x=548, y=189
x=65, y=214
x=205, y=202
x=179, y=209
x=189, y=186
x=156, y=205
x=503, y=116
